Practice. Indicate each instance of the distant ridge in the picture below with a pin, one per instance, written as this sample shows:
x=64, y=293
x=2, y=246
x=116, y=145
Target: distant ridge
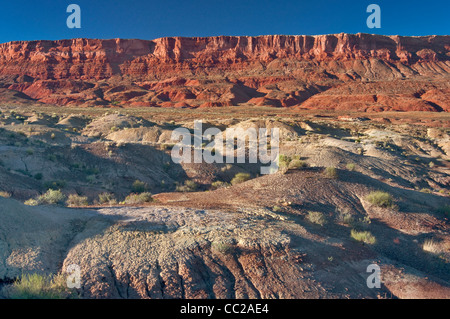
x=323, y=71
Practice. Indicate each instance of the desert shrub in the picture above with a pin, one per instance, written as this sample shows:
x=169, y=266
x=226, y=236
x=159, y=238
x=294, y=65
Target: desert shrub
x=52, y=197
x=330, y=172
x=431, y=246
x=345, y=216
x=296, y=163
x=347, y=219
x=224, y=248
x=277, y=209
x=75, y=200
x=107, y=198
x=283, y=161
x=240, y=178
x=363, y=236
x=35, y=286
x=219, y=184
x=380, y=199
x=188, y=186
x=31, y=202
x=139, y=186
x=5, y=194
x=350, y=166
x=141, y=198
x=316, y=218
x=361, y=223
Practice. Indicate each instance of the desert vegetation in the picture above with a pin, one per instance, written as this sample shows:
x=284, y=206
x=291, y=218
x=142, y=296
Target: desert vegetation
x=36, y=286
x=140, y=198
x=316, y=218
x=51, y=197
x=337, y=199
x=240, y=178
x=331, y=172
x=365, y=237
x=380, y=199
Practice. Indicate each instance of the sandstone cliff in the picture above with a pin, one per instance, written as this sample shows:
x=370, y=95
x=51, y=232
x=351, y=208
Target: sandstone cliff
x=225, y=71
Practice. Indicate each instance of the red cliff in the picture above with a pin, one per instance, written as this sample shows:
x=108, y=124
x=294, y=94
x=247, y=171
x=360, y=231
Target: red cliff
x=326, y=71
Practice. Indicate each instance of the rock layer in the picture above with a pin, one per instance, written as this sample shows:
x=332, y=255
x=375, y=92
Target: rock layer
x=224, y=71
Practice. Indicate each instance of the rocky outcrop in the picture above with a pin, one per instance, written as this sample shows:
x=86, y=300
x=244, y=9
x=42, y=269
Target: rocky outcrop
x=222, y=71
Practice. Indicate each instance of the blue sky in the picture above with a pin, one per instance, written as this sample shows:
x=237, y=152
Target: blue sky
x=147, y=19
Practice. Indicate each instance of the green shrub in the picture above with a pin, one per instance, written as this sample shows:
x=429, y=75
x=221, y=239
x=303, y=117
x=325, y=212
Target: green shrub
x=37, y=286
x=31, y=202
x=316, y=218
x=277, y=209
x=330, y=172
x=107, y=198
x=350, y=166
x=296, y=163
x=361, y=223
x=363, y=236
x=380, y=199
x=75, y=200
x=283, y=161
x=52, y=197
x=224, y=248
x=240, y=178
x=188, y=186
x=346, y=218
x=219, y=184
x=139, y=186
x=135, y=199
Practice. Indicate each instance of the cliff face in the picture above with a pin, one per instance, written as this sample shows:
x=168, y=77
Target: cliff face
x=219, y=71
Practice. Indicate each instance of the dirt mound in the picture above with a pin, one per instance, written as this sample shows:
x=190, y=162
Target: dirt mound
x=146, y=135
x=32, y=239
x=286, y=132
x=77, y=122
x=102, y=126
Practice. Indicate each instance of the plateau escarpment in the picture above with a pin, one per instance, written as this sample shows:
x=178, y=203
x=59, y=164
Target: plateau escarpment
x=343, y=71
